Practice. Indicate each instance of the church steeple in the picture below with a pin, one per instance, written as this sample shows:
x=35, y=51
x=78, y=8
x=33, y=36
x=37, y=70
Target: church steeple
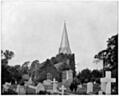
x=64, y=45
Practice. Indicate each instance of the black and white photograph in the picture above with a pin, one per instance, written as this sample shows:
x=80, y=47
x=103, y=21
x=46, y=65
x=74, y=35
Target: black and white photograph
x=59, y=47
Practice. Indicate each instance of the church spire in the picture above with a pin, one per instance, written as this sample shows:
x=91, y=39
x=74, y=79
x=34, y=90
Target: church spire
x=64, y=45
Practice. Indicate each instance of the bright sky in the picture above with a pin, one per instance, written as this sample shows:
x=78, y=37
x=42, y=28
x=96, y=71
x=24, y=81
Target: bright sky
x=33, y=30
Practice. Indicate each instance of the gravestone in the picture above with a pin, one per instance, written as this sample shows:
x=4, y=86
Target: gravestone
x=100, y=92
x=30, y=89
x=89, y=87
x=29, y=82
x=20, y=90
x=80, y=86
x=55, y=85
x=103, y=86
x=6, y=86
x=40, y=87
x=106, y=83
x=62, y=89
x=47, y=82
x=48, y=85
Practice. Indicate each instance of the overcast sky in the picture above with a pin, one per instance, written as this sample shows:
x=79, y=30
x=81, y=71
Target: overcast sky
x=33, y=30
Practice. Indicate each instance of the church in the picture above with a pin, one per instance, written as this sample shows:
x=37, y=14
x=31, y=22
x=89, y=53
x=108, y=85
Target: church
x=61, y=67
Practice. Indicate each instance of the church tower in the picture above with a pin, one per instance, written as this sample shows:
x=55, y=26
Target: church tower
x=64, y=45
x=65, y=49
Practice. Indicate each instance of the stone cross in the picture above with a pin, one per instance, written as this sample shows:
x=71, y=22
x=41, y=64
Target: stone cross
x=54, y=85
x=62, y=89
x=106, y=83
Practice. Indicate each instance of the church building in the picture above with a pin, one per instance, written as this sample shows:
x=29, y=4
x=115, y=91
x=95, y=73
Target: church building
x=60, y=67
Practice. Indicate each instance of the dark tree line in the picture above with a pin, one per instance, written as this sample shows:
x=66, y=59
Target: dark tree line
x=87, y=75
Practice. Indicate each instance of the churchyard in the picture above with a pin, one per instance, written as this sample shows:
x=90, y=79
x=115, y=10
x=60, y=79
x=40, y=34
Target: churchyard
x=57, y=76
x=52, y=87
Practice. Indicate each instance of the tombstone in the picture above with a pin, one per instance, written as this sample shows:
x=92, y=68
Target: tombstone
x=89, y=87
x=62, y=89
x=106, y=83
x=100, y=92
x=29, y=82
x=6, y=86
x=48, y=85
x=20, y=90
x=40, y=87
x=80, y=86
x=30, y=89
x=47, y=82
x=55, y=85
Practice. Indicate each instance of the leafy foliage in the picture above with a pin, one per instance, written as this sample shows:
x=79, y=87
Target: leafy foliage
x=9, y=73
x=110, y=58
x=110, y=54
x=87, y=75
x=25, y=68
x=84, y=76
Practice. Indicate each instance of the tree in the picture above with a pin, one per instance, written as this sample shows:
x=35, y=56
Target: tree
x=110, y=58
x=6, y=56
x=53, y=60
x=84, y=76
x=17, y=73
x=96, y=75
x=34, y=69
x=24, y=68
x=6, y=73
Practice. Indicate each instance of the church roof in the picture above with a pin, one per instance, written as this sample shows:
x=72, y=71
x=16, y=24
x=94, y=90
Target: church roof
x=64, y=46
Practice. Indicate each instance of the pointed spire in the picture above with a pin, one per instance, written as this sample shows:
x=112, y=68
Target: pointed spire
x=64, y=46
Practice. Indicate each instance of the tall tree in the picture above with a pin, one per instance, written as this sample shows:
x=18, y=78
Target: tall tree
x=110, y=58
x=6, y=73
